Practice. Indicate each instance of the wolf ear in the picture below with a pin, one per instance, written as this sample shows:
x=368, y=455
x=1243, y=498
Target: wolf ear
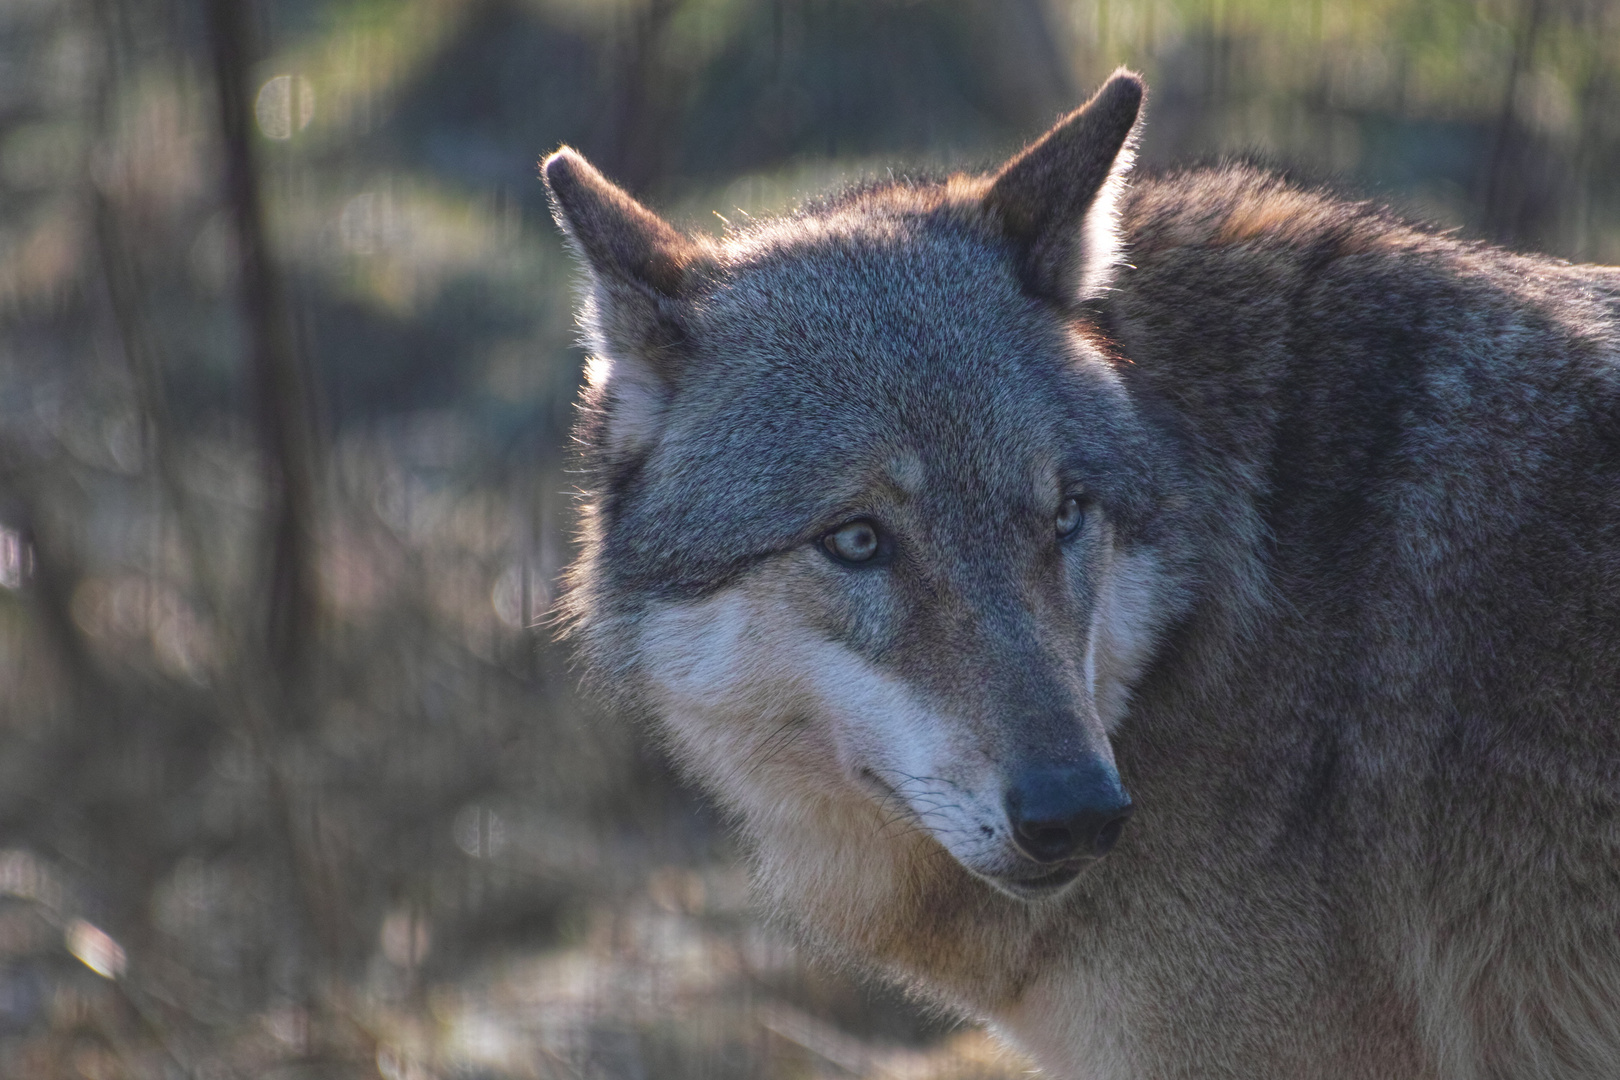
x=640, y=270
x=1056, y=200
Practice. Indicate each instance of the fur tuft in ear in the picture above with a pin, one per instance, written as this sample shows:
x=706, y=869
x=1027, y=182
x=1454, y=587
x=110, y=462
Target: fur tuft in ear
x=640, y=271
x=1056, y=201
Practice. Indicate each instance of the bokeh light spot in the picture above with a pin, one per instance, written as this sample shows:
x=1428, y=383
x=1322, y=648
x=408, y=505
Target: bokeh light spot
x=479, y=832
x=100, y=953
x=285, y=106
x=16, y=559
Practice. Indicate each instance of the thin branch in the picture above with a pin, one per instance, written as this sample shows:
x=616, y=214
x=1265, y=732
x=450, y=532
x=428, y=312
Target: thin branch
x=283, y=398
x=276, y=696
x=1502, y=201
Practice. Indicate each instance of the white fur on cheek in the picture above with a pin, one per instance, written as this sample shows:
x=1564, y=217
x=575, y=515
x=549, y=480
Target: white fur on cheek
x=732, y=681
x=776, y=719
x=1124, y=628
x=736, y=681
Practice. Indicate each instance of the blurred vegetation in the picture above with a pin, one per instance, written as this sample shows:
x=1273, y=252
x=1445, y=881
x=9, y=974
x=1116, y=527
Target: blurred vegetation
x=292, y=780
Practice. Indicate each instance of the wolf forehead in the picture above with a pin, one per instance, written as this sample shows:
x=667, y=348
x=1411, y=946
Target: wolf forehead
x=827, y=356
x=867, y=272
x=878, y=326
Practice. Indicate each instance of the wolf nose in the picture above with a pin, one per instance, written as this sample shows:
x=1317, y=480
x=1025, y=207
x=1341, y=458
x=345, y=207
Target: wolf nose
x=1063, y=812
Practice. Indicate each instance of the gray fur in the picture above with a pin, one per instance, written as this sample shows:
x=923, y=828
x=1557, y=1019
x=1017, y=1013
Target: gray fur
x=1350, y=575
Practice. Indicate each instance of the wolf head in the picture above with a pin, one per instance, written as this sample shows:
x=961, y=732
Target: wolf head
x=871, y=524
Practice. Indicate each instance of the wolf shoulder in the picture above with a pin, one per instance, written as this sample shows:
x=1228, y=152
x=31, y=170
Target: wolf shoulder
x=1242, y=237
x=1427, y=428
x=1262, y=308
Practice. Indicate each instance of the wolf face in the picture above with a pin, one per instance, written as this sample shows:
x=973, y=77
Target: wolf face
x=872, y=525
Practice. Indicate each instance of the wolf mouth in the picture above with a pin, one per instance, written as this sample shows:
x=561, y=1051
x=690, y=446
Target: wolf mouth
x=1043, y=885
x=1048, y=882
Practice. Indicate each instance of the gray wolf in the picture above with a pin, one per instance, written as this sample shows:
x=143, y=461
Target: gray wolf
x=1177, y=621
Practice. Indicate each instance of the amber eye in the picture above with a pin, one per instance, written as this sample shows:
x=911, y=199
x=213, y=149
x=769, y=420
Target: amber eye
x=1071, y=512
x=856, y=542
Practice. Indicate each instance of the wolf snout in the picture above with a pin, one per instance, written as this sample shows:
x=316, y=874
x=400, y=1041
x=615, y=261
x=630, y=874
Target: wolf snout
x=1062, y=812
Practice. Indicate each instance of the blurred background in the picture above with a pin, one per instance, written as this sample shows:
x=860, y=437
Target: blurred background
x=293, y=780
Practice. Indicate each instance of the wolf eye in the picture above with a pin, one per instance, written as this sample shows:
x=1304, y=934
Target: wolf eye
x=1071, y=512
x=856, y=542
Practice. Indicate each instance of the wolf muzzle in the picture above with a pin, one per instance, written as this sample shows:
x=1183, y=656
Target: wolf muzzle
x=1059, y=813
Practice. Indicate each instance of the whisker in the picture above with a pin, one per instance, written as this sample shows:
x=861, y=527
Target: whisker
x=773, y=745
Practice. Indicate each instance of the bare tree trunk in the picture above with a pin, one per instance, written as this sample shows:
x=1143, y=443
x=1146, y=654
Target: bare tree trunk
x=283, y=400
x=276, y=698
x=1504, y=190
x=1020, y=44
x=645, y=98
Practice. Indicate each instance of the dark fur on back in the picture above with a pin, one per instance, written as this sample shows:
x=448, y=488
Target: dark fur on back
x=1417, y=443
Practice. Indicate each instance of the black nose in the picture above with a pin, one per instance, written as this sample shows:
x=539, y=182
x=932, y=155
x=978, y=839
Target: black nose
x=1060, y=812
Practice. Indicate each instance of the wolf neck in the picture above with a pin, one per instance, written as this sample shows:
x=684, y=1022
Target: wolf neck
x=1228, y=368
x=868, y=892
x=1283, y=389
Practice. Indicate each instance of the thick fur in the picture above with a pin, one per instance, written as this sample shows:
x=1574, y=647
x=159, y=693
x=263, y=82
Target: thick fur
x=1344, y=612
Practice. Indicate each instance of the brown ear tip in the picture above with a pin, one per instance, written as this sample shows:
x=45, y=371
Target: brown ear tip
x=562, y=168
x=1125, y=87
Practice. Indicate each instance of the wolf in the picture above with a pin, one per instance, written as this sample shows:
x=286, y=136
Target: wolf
x=1173, y=619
